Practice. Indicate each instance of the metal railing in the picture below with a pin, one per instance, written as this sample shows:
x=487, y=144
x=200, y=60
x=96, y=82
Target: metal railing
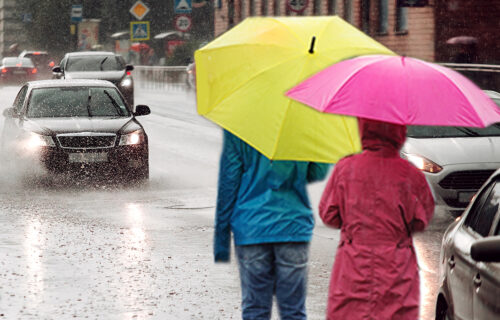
x=160, y=77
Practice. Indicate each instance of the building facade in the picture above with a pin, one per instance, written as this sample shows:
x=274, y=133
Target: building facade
x=420, y=32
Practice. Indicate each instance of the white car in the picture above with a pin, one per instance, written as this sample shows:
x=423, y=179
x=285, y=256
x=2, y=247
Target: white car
x=455, y=160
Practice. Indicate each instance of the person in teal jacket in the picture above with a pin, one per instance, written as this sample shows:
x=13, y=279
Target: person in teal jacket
x=265, y=205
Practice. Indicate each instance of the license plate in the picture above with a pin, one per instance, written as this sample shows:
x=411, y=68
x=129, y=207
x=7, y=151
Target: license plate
x=19, y=72
x=88, y=157
x=465, y=197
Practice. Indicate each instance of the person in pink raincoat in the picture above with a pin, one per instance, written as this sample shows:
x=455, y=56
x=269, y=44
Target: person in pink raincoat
x=378, y=200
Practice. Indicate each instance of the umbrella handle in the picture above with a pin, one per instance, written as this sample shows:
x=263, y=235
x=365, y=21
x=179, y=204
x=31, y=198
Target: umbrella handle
x=311, y=49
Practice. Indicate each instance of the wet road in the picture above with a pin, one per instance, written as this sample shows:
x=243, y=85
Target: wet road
x=82, y=248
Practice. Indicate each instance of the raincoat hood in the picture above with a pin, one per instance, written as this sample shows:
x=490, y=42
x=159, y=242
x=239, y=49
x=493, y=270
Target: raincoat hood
x=377, y=135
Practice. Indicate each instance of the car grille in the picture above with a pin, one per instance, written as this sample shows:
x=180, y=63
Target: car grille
x=466, y=180
x=87, y=141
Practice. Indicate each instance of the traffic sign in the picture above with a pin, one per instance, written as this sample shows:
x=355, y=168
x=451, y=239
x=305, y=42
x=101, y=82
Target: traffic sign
x=297, y=5
x=76, y=13
x=139, y=30
x=182, y=6
x=182, y=22
x=139, y=10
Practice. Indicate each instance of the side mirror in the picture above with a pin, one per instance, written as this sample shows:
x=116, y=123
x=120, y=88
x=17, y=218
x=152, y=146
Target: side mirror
x=142, y=110
x=486, y=250
x=10, y=113
x=129, y=67
x=56, y=69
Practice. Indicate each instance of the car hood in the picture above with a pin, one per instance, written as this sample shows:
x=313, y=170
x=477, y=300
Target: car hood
x=100, y=75
x=73, y=125
x=446, y=151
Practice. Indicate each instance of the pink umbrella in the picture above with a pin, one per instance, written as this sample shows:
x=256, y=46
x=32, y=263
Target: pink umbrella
x=400, y=90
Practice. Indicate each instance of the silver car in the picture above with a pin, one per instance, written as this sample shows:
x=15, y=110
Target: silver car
x=470, y=260
x=455, y=160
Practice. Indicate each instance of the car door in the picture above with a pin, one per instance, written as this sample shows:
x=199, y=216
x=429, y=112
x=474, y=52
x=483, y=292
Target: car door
x=486, y=281
x=461, y=266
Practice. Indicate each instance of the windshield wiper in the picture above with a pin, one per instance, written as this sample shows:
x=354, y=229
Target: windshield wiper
x=88, y=104
x=114, y=103
x=468, y=131
x=102, y=62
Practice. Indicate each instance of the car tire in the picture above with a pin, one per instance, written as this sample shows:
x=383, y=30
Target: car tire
x=442, y=310
x=141, y=174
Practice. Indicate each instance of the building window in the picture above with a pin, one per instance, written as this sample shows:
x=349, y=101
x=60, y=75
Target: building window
x=242, y=10
x=317, y=7
x=383, y=14
x=276, y=7
x=252, y=8
x=365, y=16
x=348, y=10
x=332, y=7
x=402, y=20
x=264, y=8
x=230, y=13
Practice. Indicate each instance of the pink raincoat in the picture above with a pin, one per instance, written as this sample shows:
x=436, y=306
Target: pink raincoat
x=377, y=199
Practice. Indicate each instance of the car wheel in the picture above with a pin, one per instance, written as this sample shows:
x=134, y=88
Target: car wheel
x=141, y=174
x=442, y=310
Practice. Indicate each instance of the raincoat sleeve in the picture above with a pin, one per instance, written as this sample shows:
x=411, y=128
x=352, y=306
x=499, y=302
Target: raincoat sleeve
x=317, y=171
x=329, y=205
x=423, y=204
x=230, y=171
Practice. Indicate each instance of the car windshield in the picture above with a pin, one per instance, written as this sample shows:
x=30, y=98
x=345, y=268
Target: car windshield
x=76, y=102
x=17, y=62
x=94, y=63
x=39, y=59
x=452, y=132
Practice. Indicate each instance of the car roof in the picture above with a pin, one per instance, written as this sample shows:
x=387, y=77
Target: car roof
x=69, y=83
x=90, y=53
x=34, y=52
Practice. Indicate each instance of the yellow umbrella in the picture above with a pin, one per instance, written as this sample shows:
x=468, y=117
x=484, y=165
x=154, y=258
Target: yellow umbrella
x=242, y=76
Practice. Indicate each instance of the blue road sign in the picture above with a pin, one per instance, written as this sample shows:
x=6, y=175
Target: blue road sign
x=182, y=6
x=76, y=13
x=139, y=30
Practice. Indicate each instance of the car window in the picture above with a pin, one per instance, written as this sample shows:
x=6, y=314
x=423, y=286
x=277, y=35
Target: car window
x=17, y=62
x=76, y=102
x=482, y=218
x=19, y=101
x=94, y=63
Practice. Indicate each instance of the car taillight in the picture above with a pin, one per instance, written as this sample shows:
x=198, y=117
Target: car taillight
x=33, y=70
x=129, y=73
x=4, y=70
x=51, y=64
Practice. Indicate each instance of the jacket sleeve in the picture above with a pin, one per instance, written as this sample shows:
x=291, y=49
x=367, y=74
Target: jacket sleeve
x=329, y=206
x=230, y=171
x=423, y=204
x=317, y=171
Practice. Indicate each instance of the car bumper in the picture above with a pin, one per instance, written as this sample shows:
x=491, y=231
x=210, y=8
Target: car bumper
x=455, y=185
x=119, y=159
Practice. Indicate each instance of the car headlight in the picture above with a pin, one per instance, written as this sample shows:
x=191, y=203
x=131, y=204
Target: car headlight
x=422, y=163
x=126, y=82
x=36, y=141
x=132, y=138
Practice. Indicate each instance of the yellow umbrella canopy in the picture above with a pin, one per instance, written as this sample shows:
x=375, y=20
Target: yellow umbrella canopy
x=242, y=77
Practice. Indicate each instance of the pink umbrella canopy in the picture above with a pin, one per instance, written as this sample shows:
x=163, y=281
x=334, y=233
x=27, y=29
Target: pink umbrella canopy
x=399, y=90
x=467, y=40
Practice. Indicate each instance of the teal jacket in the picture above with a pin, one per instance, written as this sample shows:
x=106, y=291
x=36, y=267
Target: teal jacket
x=261, y=201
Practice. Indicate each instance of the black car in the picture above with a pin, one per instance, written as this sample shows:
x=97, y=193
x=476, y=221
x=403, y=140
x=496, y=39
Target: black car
x=470, y=260
x=14, y=70
x=102, y=65
x=42, y=61
x=73, y=124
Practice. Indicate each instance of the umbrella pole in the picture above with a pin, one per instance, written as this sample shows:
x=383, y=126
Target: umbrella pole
x=311, y=49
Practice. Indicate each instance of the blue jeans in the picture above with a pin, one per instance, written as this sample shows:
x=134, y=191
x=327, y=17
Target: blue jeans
x=273, y=268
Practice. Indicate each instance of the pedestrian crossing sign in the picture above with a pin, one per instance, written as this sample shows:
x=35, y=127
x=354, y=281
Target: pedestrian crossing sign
x=139, y=30
x=182, y=6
